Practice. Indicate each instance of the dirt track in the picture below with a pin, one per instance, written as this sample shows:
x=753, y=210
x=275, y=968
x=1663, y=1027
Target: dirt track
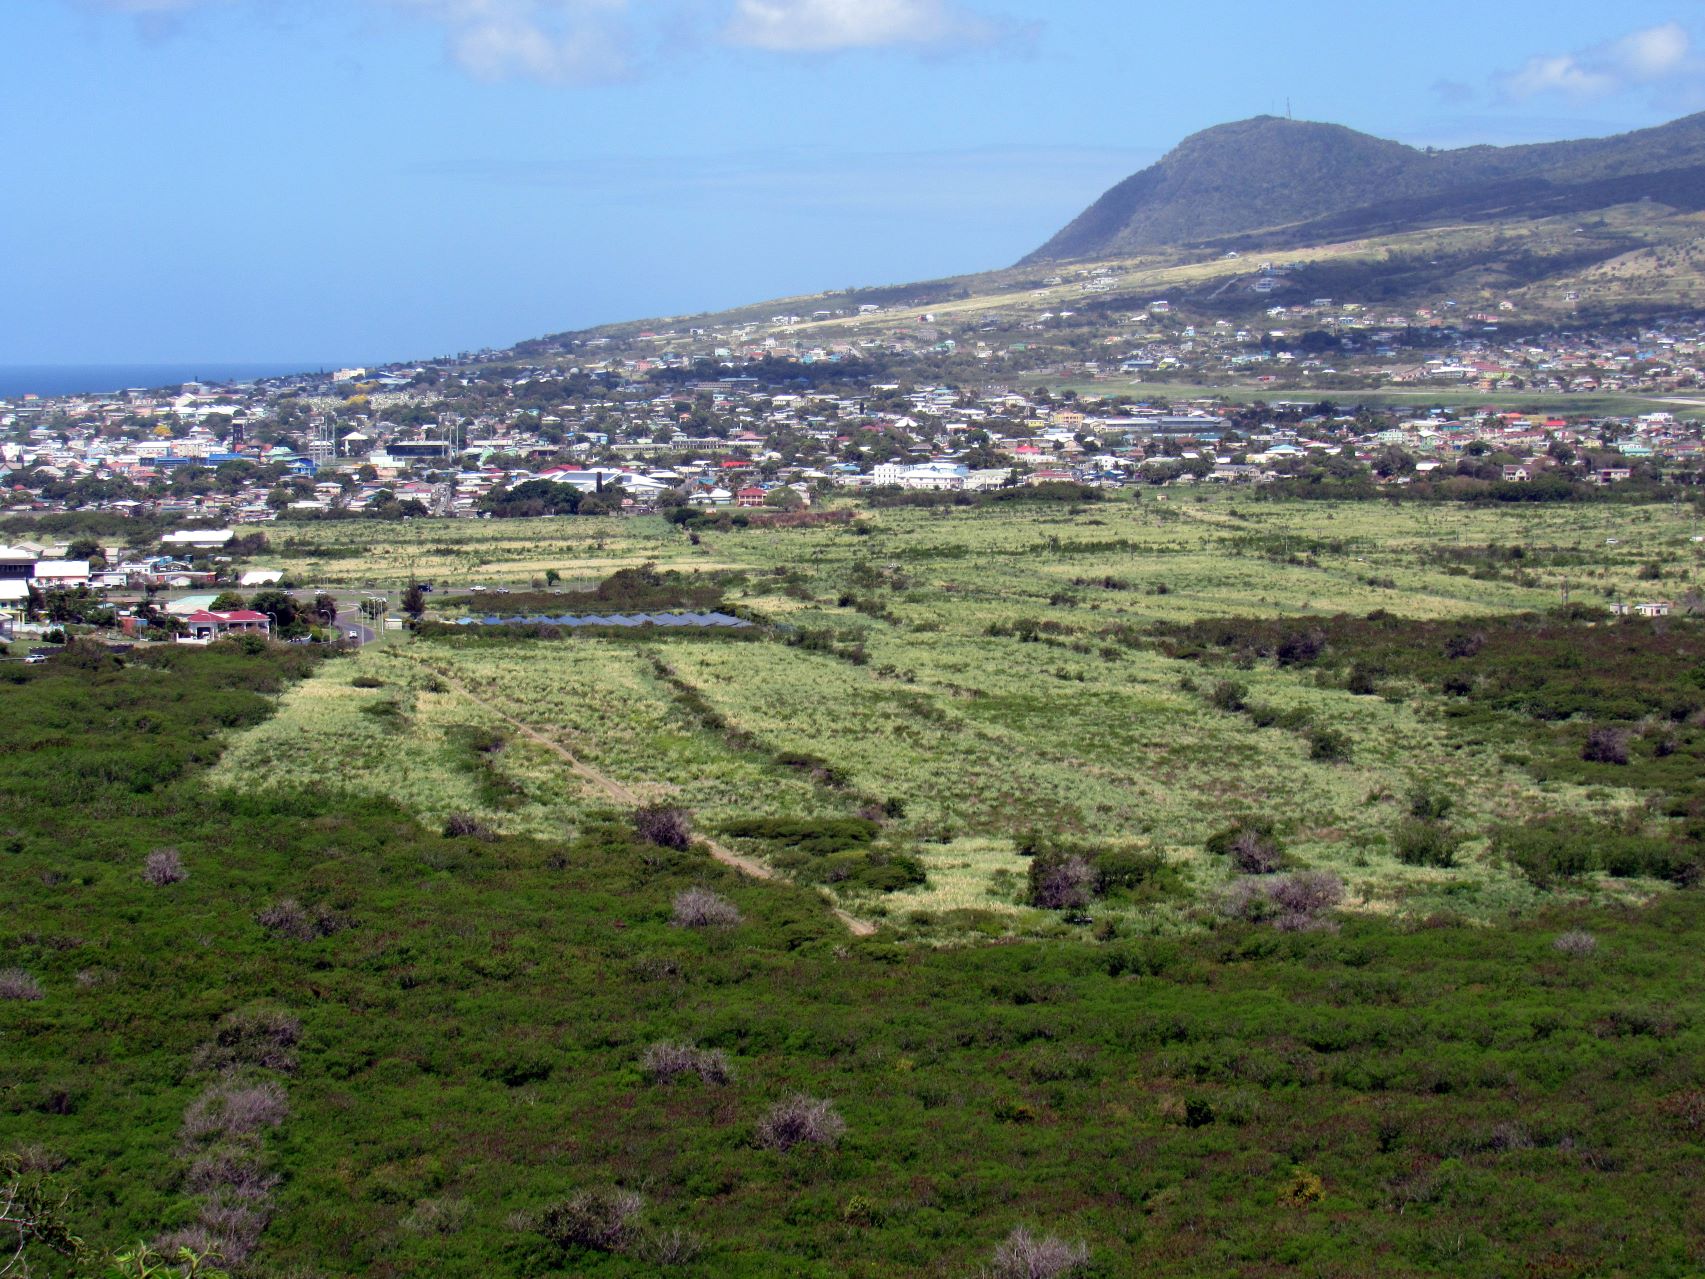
x=620, y=794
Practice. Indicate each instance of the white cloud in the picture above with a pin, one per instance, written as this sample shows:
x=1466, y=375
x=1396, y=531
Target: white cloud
x=1652, y=57
x=151, y=8
x=596, y=41
x=556, y=41
x=821, y=26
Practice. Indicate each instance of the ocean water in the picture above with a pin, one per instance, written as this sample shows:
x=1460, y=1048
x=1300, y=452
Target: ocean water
x=72, y=379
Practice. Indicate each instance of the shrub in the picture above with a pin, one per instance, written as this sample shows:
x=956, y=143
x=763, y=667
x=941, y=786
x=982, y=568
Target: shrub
x=233, y=1110
x=701, y=908
x=261, y=1037
x=1122, y=870
x=1229, y=695
x=816, y=838
x=162, y=867
x=1061, y=881
x=1428, y=804
x=1026, y=1256
x=1252, y=846
x=1291, y=903
x=1303, y=1189
x=1459, y=646
x=1306, y=892
x=1421, y=843
x=668, y=1248
x=289, y=919
x=663, y=826
x=467, y=826
x=366, y=681
x=1301, y=647
x=1606, y=746
x=445, y=1216
x=15, y=983
x=666, y=1062
x=226, y=1173
x=1545, y=853
x=601, y=1220
x=800, y=1121
x=1576, y=944
x=1330, y=745
x=883, y=872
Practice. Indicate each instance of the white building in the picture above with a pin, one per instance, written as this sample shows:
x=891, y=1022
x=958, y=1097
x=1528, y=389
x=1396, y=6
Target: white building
x=922, y=475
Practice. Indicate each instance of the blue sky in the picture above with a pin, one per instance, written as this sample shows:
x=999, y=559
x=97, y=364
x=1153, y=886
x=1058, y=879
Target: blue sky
x=391, y=179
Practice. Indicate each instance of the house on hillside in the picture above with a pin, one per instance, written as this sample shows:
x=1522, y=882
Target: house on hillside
x=751, y=495
x=205, y=626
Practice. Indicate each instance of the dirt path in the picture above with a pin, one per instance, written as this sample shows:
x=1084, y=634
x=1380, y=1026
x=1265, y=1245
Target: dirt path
x=620, y=794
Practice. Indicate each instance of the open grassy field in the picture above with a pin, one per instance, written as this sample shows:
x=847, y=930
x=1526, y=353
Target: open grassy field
x=963, y=547
x=979, y=676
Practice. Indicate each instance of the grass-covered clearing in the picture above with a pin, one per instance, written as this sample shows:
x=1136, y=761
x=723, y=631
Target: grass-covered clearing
x=975, y=677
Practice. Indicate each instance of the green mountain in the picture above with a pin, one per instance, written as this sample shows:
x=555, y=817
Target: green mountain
x=1273, y=183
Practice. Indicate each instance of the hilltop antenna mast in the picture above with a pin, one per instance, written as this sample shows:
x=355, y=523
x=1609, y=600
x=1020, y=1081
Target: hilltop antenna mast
x=1288, y=114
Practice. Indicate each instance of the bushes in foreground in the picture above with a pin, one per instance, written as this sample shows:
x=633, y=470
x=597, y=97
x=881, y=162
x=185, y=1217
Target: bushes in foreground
x=163, y=867
x=1291, y=903
x=1068, y=875
x=701, y=908
x=1555, y=851
x=1252, y=845
x=601, y=1220
x=1026, y=1256
x=16, y=983
x=799, y=1121
x=664, y=1063
x=845, y=851
x=663, y=826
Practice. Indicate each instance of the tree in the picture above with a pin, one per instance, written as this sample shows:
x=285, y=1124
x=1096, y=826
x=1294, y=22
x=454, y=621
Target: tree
x=784, y=499
x=414, y=602
x=34, y=1214
x=1391, y=461
x=531, y=498
x=228, y=602
x=86, y=548
x=324, y=609
x=278, y=605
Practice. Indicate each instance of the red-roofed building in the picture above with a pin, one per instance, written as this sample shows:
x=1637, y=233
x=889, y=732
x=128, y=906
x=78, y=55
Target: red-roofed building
x=751, y=496
x=206, y=626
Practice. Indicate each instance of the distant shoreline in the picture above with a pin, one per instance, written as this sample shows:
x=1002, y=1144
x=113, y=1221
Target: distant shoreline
x=49, y=380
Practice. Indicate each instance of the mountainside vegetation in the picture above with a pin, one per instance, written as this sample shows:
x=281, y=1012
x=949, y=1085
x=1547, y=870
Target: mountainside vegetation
x=298, y=1030
x=1107, y=889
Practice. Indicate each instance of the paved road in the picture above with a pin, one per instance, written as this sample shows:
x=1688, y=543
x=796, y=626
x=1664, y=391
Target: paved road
x=349, y=620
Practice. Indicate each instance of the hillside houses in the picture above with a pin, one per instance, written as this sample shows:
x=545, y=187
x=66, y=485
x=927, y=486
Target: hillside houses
x=674, y=415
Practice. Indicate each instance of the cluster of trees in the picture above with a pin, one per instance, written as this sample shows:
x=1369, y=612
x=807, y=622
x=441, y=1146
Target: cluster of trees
x=290, y=617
